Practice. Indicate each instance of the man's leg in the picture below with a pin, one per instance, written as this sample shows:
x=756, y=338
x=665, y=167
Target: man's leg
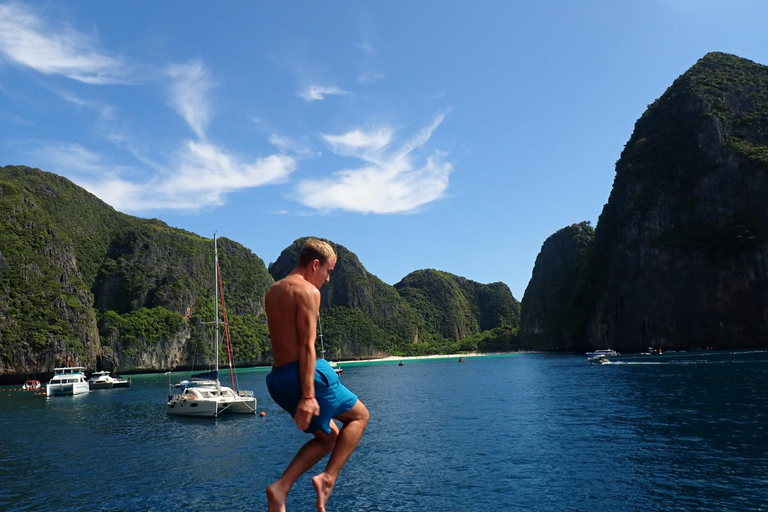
x=309, y=455
x=355, y=420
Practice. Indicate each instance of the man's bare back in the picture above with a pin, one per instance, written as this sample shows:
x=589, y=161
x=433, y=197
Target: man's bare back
x=290, y=302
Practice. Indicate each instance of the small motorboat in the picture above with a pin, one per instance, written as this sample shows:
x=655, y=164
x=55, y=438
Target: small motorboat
x=103, y=380
x=602, y=352
x=31, y=385
x=599, y=359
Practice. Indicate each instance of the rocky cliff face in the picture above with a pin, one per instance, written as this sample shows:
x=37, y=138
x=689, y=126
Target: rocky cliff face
x=680, y=254
x=82, y=284
x=545, y=321
x=46, y=319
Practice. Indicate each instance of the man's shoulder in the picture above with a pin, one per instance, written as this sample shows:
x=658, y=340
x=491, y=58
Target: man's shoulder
x=295, y=285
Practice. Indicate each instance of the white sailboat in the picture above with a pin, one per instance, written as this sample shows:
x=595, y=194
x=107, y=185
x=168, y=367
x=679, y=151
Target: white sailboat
x=334, y=364
x=203, y=395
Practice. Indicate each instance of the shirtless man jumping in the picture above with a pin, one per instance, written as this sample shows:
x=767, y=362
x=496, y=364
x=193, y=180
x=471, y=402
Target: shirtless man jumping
x=308, y=389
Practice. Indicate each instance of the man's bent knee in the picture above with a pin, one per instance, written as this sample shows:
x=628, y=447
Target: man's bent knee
x=358, y=412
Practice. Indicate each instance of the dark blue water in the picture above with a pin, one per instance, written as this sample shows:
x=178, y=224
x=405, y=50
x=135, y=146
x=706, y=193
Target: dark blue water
x=528, y=432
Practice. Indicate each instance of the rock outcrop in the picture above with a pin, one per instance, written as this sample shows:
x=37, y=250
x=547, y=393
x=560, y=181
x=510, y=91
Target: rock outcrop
x=545, y=323
x=680, y=254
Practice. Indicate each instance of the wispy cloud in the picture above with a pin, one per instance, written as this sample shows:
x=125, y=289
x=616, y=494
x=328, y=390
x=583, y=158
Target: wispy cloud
x=74, y=159
x=27, y=40
x=369, y=78
x=365, y=46
x=189, y=94
x=289, y=145
x=390, y=182
x=319, y=92
x=364, y=145
x=202, y=176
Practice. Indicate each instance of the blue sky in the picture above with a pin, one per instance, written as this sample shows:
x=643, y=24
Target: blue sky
x=434, y=134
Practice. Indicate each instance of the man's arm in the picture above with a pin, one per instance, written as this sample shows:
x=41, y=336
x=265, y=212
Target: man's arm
x=308, y=309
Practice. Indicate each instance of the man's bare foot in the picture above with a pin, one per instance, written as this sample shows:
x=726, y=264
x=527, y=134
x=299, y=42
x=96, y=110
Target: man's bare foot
x=323, y=487
x=276, y=498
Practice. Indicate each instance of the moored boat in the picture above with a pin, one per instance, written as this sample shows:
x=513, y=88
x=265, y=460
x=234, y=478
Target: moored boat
x=204, y=396
x=602, y=352
x=103, y=380
x=68, y=380
x=32, y=385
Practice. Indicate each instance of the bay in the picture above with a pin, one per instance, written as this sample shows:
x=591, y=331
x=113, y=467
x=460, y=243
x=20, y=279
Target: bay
x=530, y=432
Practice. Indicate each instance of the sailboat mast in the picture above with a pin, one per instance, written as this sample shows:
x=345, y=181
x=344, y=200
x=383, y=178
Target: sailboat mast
x=322, y=345
x=216, y=298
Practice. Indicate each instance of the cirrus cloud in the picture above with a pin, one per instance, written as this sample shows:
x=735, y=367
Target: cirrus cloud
x=26, y=39
x=319, y=92
x=390, y=182
x=202, y=177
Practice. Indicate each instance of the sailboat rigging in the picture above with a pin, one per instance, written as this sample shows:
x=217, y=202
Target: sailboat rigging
x=334, y=365
x=204, y=396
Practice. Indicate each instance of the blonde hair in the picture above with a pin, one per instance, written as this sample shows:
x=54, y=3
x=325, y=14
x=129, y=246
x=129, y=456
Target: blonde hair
x=314, y=249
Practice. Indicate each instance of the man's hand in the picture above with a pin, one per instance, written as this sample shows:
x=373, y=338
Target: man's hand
x=305, y=411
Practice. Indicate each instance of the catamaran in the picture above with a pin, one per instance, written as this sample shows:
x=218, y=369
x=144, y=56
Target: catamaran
x=203, y=395
x=67, y=381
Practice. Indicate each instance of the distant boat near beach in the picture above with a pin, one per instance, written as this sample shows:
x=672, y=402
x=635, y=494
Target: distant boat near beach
x=602, y=352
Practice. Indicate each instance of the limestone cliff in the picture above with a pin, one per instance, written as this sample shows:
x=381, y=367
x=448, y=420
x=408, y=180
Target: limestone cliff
x=83, y=284
x=545, y=322
x=680, y=254
x=46, y=318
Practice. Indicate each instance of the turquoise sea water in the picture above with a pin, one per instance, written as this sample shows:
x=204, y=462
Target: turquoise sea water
x=685, y=431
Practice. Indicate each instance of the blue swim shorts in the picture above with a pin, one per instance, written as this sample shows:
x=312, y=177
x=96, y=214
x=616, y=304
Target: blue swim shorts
x=285, y=388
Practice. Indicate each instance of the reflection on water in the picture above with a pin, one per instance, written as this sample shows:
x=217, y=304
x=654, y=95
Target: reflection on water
x=529, y=432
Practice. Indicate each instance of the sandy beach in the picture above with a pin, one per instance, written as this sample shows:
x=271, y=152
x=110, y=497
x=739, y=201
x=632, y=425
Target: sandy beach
x=416, y=358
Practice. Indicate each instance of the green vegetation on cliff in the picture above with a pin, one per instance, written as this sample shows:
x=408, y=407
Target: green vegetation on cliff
x=455, y=307
x=75, y=268
x=84, y=284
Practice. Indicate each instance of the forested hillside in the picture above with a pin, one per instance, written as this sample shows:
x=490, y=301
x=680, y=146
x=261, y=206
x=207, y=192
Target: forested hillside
x=84, y=284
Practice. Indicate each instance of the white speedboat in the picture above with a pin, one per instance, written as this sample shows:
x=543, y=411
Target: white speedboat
x=67, y=381
x=602, y=352
x=599, y=359
x=103, y=380
x=204, y=396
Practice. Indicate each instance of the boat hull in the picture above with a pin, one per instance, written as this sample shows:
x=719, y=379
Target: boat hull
x=113, y=384
x=210, y=408
x=66, y=389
